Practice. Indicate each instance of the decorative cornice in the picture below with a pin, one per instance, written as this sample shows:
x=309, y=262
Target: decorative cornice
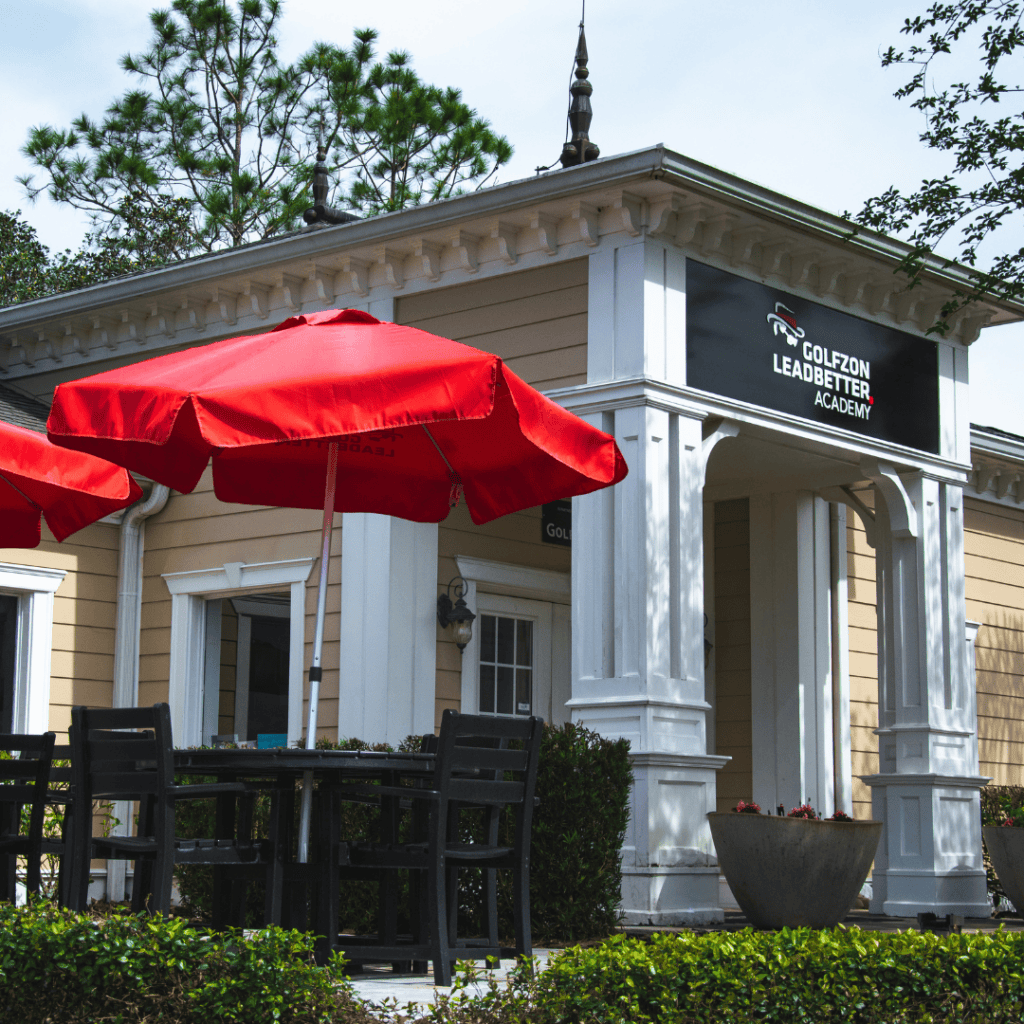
x=652, y=194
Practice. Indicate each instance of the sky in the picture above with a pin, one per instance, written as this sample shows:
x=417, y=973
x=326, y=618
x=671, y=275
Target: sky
x=788, y=94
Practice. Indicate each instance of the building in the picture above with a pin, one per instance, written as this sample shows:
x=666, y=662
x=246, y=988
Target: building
x=784, y=600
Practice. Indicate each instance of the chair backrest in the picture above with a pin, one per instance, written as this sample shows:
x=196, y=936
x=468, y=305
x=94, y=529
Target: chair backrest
x=477, y=765
x=121, y=753
x=24, y=779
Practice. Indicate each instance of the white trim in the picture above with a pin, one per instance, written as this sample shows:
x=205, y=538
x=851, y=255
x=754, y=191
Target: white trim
x=189, y=592
x=516, y=580
x=34, y=587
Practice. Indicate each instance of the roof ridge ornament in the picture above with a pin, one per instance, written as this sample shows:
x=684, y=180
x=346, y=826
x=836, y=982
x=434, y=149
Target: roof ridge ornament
x=320, y=212
x=579, y=149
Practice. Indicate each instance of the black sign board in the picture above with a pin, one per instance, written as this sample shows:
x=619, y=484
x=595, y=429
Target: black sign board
x=556, y=522
x=754, y=343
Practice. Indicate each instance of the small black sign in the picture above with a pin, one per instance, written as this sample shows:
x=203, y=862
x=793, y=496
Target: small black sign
x=754, y=343
x=556, y=522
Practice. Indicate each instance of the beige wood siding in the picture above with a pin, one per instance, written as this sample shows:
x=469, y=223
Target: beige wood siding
x=535, y=320
x=197, y=531
x=860, y=568
x=732, y=651
x=994, y=555
x=84, y=617
x=515, y=539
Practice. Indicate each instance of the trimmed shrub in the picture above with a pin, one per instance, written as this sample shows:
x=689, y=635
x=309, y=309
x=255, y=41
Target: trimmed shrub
x=783, y=977
x=579, y=825
x=59, y=966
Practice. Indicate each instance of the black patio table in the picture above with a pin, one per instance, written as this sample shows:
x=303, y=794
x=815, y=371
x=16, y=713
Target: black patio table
x=286, y=765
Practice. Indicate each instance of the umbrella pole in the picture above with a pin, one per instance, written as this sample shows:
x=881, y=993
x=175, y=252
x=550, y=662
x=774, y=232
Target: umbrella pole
x=318, y=644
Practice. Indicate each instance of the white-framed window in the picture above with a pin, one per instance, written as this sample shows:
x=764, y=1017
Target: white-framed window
x=26, y=643
x=265, y=600
x=518, y=659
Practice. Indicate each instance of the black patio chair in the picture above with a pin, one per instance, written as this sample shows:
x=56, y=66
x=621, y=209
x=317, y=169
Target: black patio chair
x=23, y=783
x=476, y=770
x=127, y=754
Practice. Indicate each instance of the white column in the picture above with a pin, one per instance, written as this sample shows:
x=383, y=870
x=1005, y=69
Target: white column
x=927, y=788
x=791, y=651
x=388, y=627
x=638, y=659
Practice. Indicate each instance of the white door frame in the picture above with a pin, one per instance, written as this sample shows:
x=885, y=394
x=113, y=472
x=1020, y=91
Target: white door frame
x=189, y=593
x=542, y=595
x=34, y=587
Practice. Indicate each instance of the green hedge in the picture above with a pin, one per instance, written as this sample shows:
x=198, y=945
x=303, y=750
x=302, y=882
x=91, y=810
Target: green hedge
x=56, y=966
x=784, y=977
x=575, y=872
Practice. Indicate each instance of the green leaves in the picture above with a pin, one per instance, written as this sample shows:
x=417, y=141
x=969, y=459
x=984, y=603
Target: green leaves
x=972, y=208
x=56, y=965
x=222, y=128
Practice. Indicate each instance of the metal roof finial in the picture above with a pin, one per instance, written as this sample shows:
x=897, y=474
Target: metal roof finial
x=320, y=212
x=579, y=149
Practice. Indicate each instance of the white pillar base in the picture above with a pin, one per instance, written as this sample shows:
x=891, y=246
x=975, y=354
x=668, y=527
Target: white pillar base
x=929, y=856
x=671, y=897
x=669, y=869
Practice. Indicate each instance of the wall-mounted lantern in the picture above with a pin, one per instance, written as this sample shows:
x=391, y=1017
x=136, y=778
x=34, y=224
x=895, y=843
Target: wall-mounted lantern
x=457, y=614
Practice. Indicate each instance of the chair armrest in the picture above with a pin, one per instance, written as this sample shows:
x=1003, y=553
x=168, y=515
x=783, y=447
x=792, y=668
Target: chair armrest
x=403, y=792
x=204, y=790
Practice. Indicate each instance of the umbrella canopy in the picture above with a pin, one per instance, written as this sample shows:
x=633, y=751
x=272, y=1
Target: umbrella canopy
x=343, y=412
x=70, y=489
x=417, y=419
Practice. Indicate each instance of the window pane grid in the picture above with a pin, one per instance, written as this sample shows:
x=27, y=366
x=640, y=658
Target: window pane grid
x=506, y=665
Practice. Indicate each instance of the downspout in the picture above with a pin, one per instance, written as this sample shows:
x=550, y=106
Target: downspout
x=126, y=643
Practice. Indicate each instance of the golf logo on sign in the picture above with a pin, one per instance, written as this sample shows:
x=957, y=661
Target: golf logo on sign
x=783, y=321
x=842, y=381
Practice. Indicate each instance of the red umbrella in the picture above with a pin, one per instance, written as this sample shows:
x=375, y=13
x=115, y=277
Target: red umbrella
x=395, y=420
x=38, y=478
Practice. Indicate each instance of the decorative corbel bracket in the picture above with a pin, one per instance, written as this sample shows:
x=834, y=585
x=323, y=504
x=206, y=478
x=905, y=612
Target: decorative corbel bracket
x=195, y=314
x=844, y=496
x=428, y=256
x=743, y=241
x=800, y=266
x=689, y=220
x=506, y=236
x=715, y=230
x=584, y=217
x=393, y=265
x=714, y=431
x=131, y=329
x=291, y=291
x=225, y=305
x=323, y=283
x=104, y=332
x=256, y=299
x=354, y=276
x=627, y=214
x=48, y=346
x=161, y=320
x=547, y=231
x=466, y=248
x=903, y=516
x=829, y=273
x=664, y=215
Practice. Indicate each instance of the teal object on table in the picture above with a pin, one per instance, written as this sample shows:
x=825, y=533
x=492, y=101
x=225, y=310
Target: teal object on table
x=266, y=740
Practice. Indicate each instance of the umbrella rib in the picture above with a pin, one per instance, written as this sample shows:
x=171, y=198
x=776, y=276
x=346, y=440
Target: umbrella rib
x=16, y=488
x=457, y=488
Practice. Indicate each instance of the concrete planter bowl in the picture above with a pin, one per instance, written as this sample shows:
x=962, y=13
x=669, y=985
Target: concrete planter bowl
x=794, y=872
x=1006, y=851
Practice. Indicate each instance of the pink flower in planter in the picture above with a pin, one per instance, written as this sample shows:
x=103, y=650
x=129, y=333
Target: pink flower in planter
x=745, y=808
x=803, y=811
x=840, y=816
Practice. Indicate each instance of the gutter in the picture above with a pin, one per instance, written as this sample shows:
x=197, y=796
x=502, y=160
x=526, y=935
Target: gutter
x=126, y=643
